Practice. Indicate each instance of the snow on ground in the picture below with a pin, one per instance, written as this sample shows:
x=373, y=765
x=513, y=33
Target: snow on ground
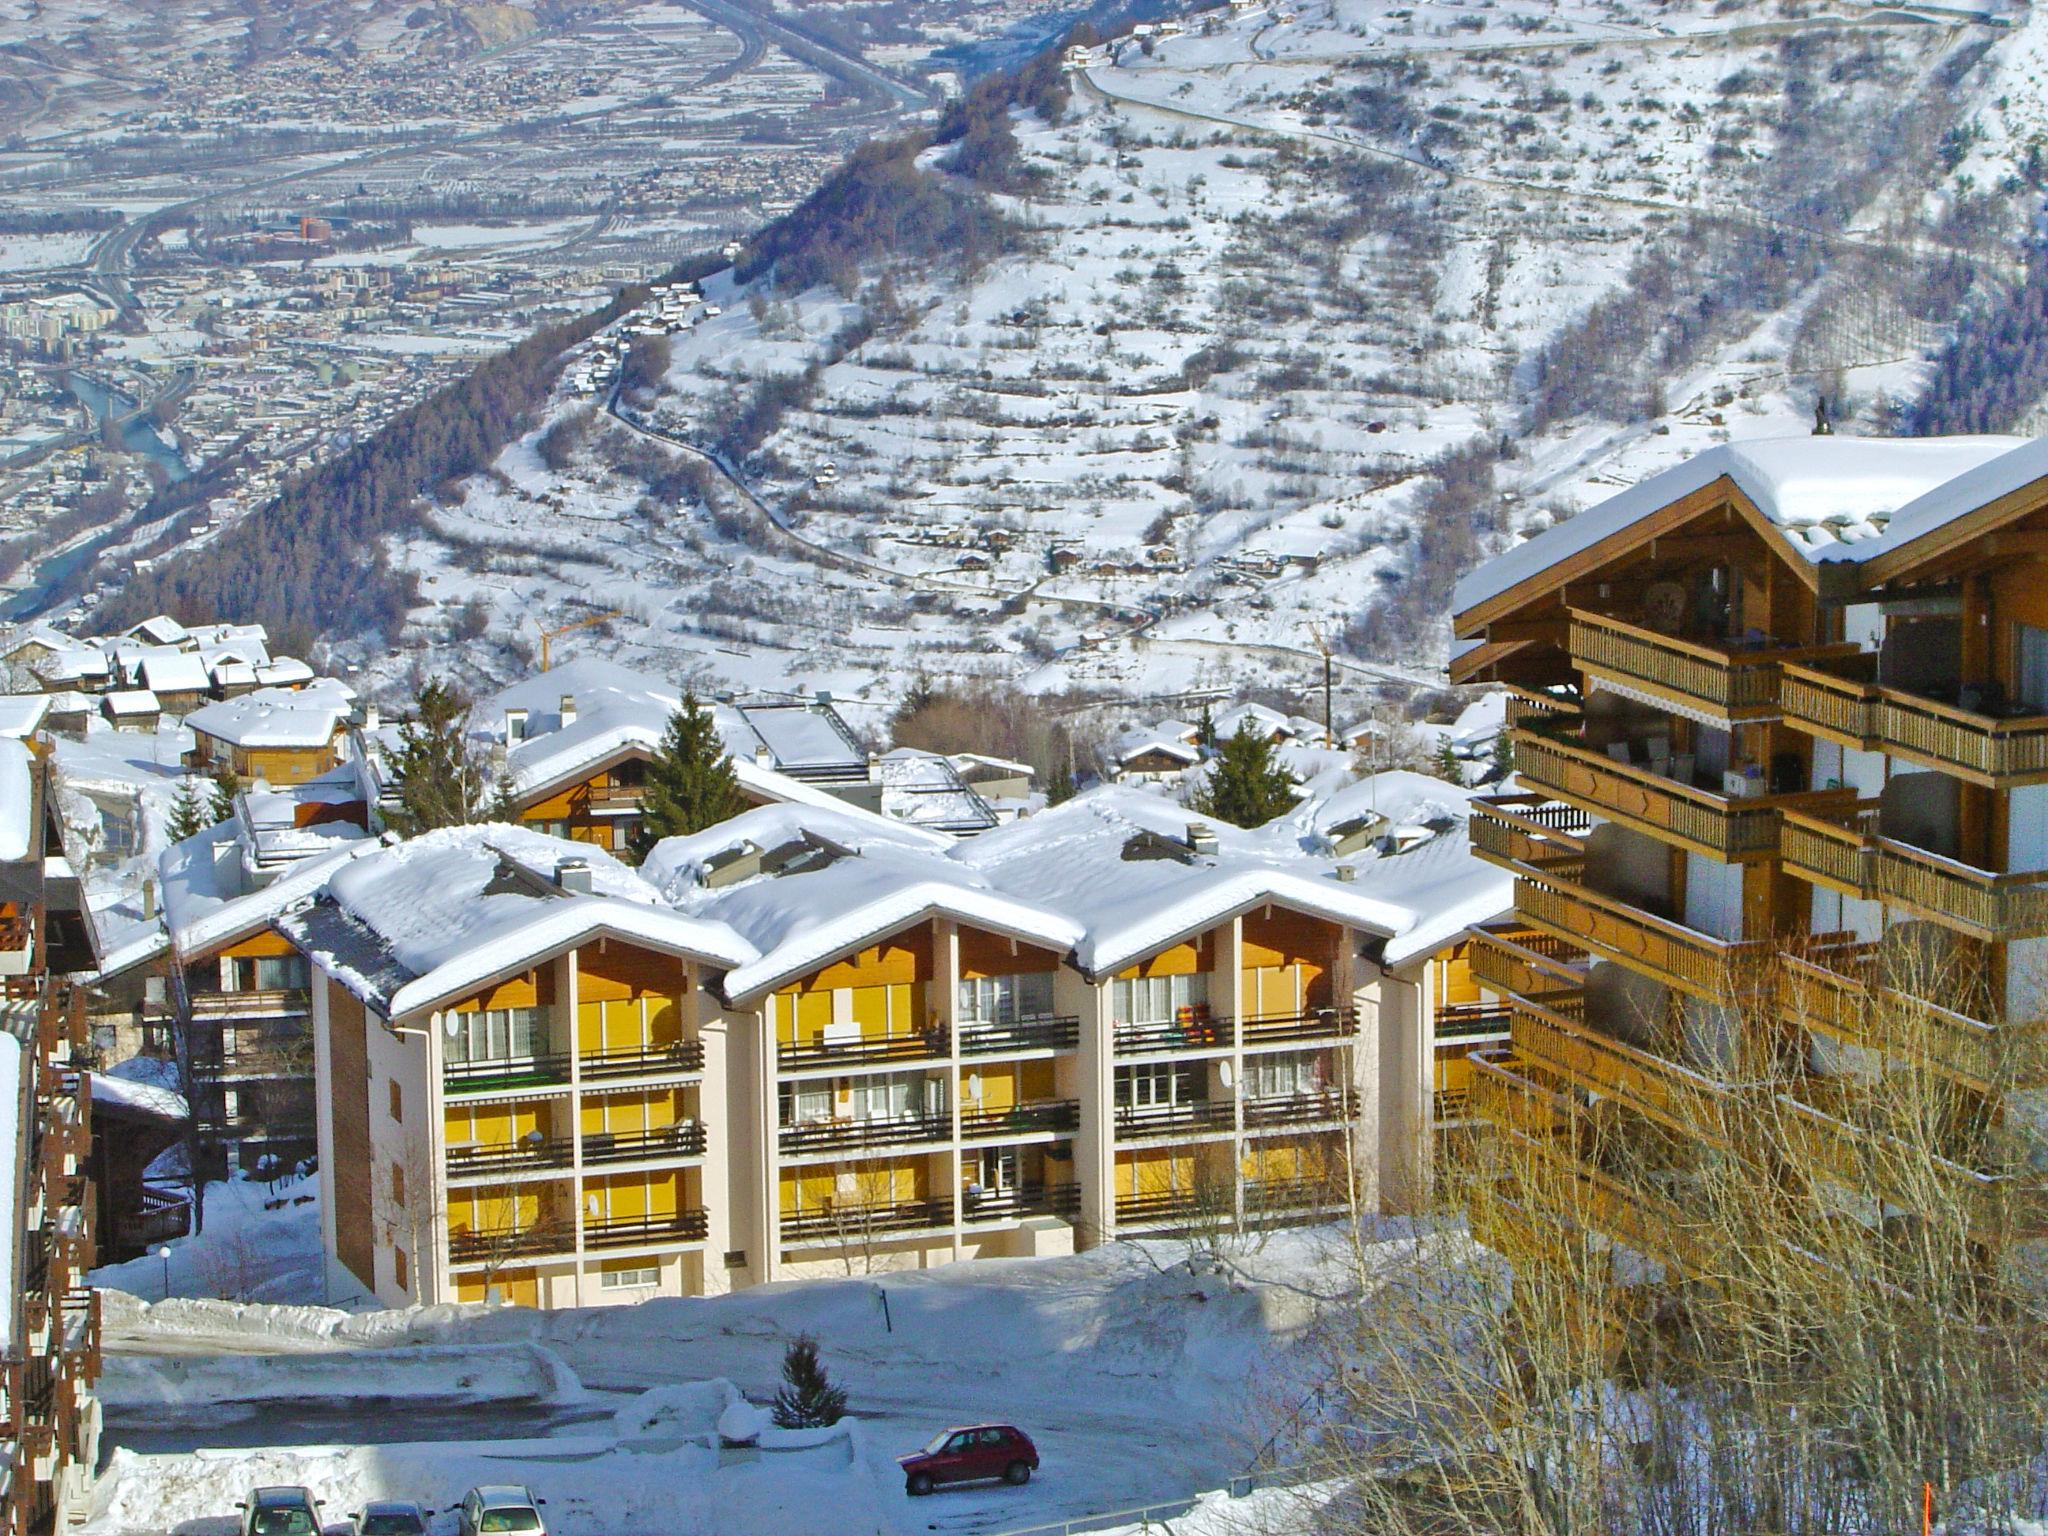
x=1145, y=1374
x=502, y=1373
x=259, y=1243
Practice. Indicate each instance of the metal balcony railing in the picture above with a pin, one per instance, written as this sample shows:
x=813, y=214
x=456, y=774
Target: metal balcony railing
x=1308, y=1024
x=1058, y=1116
x=858, y=1050
x=644, y=1060
x=1196, y=1032
x=1045, y=1033
x=856, y=1221
x=856, y=1135
x=1191, y=1117
x=691, y=1225
x=507, y=1075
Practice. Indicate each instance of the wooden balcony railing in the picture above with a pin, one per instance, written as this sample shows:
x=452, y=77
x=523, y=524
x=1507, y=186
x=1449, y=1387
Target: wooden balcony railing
x=1555, y=901
x=1505, y=1096
x=616, y=798
x=853, y=1221
x=1523, y=962
x=983, y=1038
x=1724, y=828
x=470, y=1245
x=1555, y=1036
x=862, y=1050
x=1731, y=683
x=1154, y=1207
x=270, y=1003
x=683, y=1139
x=1850, y=855
x=1511, y=830
x=1838, y=990
x=1309, y=1024
x=1468, y=1021
x=1843, y=703
x=644, y=1060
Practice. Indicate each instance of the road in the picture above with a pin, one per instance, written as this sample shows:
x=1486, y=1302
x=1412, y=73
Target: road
x=801, y=42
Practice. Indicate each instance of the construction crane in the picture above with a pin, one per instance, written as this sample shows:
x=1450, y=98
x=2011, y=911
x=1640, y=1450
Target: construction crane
x=1329, y=725
x=547, y=635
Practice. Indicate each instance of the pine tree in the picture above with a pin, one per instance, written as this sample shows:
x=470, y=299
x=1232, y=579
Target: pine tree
x=226, y=785
x=188, y=819
x=444, y=778
x=807, y=1399
x=1447, y=764
x=1205, y=728
x=1503, y=757
x=690, y=782
x=1248, y=785
x=1060, y=787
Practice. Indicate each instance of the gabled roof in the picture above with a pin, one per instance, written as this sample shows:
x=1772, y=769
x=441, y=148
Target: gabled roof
x=207, y=904
x=174, y=672
x=21, y=714
x=277, y=717
x=1820, y=499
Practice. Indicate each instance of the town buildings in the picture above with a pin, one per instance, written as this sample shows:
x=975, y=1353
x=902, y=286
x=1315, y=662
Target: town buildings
x=1781, y=727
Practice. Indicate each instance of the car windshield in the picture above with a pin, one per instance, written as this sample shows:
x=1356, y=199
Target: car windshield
x=510, y=1520
x=392, y=1525
x=285, y=1522
x=937, y=1443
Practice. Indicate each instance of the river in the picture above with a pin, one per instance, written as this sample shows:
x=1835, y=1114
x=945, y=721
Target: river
x=139, y=436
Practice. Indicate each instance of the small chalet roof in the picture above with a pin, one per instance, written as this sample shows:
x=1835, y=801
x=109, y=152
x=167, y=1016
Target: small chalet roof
x=174, y=672
x=412, y=925
x=283, y=672
x=1138, y=743
x=72, y=664
x=21, y=714
x=130, y=701
x=234, y=674
x=1832, y=498
x=277, y=717
x=160, y=630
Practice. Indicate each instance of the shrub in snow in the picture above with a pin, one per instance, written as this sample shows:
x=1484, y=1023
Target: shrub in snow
x=807, y=1399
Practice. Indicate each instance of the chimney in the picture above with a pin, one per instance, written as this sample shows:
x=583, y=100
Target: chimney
x=568, y=710
x=1346, y=873
x=515, y=727
x=573, y=876
x=874, y=767
x=1201, y=838
x=764, y=756
x=371, y=718
x=149, y=898
x=825, y=697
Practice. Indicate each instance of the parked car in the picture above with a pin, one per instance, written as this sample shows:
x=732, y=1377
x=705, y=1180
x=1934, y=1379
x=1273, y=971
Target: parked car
x=280, y=1511
x=973, y=1451
x=502, y=1507
x=391, y=1517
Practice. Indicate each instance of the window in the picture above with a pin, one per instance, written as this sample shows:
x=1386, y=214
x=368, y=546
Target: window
x=494, y=1034
x=885, y=1097
x=1155, y=1085
x=1158, y=999
x=273, y=973
x=638, y=1275
x=398, y=1185
x=400, y=1270
x=1006, y=999
x=230, y=1104
x=1283, y=1075
x=397, y=1102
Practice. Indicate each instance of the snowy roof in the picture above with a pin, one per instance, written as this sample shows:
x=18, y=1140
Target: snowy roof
x=971, y=764
x=175, y=672
x=1072, y=859
x=161, y=630
x=803, y=736
x=208, y=901
x=284, y=672
x=414, y=924
x=21, y=714
x=17, y=801
x=926, y=790
x=277, y=717
x=1257, y=716
x=1975, y=487
x=130, y=701
x=234, y=674
x=1139, y=742
x=144, y=1097
x=676, y=864
x=1833, y=497
x=71, y=664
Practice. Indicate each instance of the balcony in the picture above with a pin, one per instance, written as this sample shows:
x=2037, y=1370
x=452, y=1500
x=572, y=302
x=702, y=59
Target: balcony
x=862, y=1050
x=683, y=1139
x=1553, y=1033
x=1017, y=1038
x=1020, y=1204
x=1193, y=1117
x=1731, y=829
x=863, y=1135
x=507, y=1075
x=1516, y=830
x=1471, y=1021
x=2001, y=749
x=1277, y=1200
x=1293, y=1109
x=270, y=1003
x=1836, y=990
x=1054, y=1117
x=1730, y=684
x=1609, y=927
x=1505, y=1096
x=1195, y=1030
x=1285, y=1028
x=1168, y=1207
x=497, y=1244
x=1518, y=964
x=685, y=1226
x=854, y=1221
x=1852, y=856
x=557, y=1154
x=615, y=799
x=644, y=1060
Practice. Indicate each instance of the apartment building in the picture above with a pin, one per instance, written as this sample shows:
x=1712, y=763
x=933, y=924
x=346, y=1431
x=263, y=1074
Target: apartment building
x=812, y=1036
x=1781, y=724
x=49, y=1320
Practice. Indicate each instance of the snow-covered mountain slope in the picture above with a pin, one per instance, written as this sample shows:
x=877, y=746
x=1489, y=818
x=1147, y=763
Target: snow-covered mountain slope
x=1310, y=306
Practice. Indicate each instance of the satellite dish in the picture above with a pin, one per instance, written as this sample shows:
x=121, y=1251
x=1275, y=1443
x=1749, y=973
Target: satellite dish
x=1226, y=1073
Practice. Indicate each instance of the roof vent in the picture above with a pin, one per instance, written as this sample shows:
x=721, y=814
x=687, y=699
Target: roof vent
x=515, y=726
x=1201, y=838
x=568, y=710
x=573, y=876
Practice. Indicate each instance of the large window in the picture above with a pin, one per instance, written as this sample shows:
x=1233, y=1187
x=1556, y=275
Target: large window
x=1159, y=999
x=1155, y=1086
x=1006, y=999
x=494, y=1034
x=1284, y=1075
x=268, y=973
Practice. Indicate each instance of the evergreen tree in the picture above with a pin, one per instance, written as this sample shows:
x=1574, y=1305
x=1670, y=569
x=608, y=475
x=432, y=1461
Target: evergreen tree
x=1060, y=787
x=1205, y=728
x=188, y=819
x=226, y=785
x=444, y=777
x=1447, y=765
x=690, y=782
x=1503, y=757
x=1248, y=785
x=807, y=1399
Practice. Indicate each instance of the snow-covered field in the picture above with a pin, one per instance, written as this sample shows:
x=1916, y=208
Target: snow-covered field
x=1146, y=1376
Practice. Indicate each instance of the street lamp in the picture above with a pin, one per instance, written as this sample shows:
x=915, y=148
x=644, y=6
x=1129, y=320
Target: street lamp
x=164, y=1253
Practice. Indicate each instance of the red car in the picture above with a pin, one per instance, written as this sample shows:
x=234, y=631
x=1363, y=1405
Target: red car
x=961, y=1455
